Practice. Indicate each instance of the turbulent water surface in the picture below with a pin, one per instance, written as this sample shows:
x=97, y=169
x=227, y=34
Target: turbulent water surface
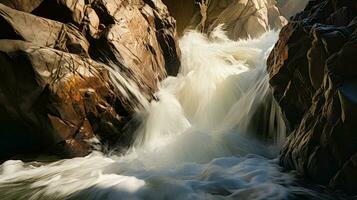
x=214, y=133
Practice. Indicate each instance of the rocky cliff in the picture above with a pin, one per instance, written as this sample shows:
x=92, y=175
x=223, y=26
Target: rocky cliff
x=241, y=18
x=73, y=71
x=313, y=74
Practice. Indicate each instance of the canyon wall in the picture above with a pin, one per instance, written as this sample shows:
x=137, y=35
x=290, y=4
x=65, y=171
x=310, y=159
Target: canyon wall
x=241, y=18
x=313, y=74
x=74, y=71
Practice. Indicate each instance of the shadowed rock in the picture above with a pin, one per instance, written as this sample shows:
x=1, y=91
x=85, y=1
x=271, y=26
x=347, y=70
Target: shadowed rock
x=289, y=8
x=22, y=5
x=313, y=74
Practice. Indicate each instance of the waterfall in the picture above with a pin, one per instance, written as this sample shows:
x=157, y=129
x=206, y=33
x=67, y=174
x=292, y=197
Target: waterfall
x=213, y=133
x=222, y=87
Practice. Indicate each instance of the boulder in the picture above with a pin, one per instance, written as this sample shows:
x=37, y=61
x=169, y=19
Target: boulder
x=74, y=72
x=313, y=75
x=64, y=98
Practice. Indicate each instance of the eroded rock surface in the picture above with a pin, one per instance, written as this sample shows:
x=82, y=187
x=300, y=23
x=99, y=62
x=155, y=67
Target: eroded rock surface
x=73, y=71
x=241, y=18
x=313, y=74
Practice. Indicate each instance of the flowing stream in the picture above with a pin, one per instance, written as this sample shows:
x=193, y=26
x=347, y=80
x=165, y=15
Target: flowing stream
x=214, y=133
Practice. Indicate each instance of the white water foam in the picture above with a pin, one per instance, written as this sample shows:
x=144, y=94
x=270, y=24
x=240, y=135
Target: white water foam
x=210, y=136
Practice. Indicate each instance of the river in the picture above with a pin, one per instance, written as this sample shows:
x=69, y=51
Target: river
x=214, y=132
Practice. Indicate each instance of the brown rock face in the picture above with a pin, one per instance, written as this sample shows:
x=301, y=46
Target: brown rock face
x=313, y=74
x=74, y=71
x=22, y=5
x=241, y=18
x=183, y=11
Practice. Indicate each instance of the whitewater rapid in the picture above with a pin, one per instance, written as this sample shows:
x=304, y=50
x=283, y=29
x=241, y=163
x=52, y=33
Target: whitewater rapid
x=213, y=133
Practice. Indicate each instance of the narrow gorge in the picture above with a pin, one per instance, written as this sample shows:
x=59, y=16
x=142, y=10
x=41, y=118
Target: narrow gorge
x=168, y=99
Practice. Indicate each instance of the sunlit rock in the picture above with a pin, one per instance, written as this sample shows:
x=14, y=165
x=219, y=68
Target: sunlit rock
x=74, y=71
x=41, y=31
x=241, y=18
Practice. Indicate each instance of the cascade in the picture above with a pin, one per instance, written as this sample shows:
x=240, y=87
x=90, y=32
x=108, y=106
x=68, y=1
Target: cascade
x=213, y=133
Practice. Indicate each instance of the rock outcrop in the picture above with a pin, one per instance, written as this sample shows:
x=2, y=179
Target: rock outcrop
x=73, y=71
x=243, y=18
x=313, y=74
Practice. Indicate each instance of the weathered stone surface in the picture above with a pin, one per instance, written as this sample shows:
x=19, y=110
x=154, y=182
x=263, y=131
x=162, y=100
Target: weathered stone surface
x=313, y=74
x=65, y=11
x=64, y=97
x=243, y=18
x=22, y=5
x=41, y=31
x=74, y=71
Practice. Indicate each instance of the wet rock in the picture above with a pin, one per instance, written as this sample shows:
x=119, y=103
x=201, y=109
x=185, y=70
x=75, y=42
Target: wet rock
x=313, y=76
x=73, y=71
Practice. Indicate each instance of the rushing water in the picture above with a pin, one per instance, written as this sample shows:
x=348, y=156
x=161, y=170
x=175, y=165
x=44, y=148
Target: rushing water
x=214, y=133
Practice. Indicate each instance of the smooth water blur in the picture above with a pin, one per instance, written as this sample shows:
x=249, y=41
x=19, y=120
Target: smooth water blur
x=214, y=133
